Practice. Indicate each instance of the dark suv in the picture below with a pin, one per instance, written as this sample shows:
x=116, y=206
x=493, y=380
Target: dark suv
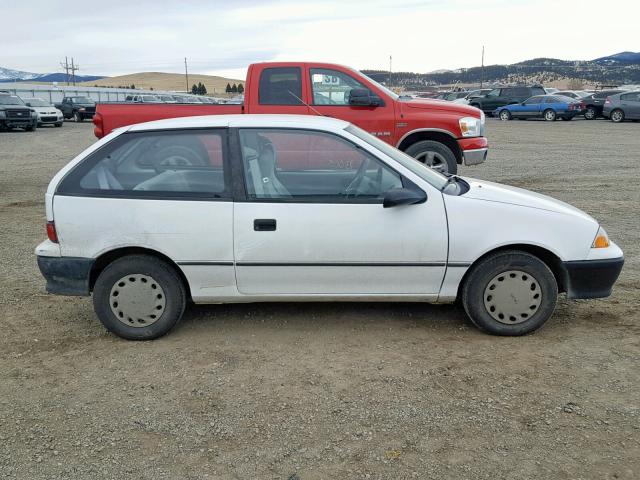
x=594, y=103
x=499, y=97
x=15, y=114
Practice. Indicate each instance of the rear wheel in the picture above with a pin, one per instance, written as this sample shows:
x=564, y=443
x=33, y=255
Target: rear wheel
x=510, y=293
x=549, y=115
x=435, y=155
x=77, y=117
x=505, y=115
x=590, y=113
x=139, y=297
x=617, y=115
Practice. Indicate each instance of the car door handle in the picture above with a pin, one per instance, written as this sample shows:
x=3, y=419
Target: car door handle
x=264, y=225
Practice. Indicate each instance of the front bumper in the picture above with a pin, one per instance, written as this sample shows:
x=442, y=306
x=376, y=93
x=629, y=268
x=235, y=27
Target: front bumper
x=474, y=150
x=591, y=278
x=66, y=275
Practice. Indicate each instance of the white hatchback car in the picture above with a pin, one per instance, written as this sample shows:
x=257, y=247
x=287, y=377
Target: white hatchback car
x=254, y=208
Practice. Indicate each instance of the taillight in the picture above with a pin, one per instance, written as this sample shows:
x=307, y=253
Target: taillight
x=51, y=232
x=608, y=100
x=97, y=121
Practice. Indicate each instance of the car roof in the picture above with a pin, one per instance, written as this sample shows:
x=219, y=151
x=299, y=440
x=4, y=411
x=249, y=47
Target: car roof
x=245, y=120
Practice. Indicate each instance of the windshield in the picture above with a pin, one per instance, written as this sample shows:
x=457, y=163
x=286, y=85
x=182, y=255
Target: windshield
x=36, y=102
x=10, y=100
x=392, y=94
x=82, y=100
x=434, y=178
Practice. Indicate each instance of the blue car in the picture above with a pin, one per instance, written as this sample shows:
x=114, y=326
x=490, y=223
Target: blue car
x=548, y=107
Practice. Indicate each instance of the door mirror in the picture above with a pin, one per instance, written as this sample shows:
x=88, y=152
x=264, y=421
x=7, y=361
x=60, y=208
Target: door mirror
x=28, y=104
x=362, y=97
x=403, y=196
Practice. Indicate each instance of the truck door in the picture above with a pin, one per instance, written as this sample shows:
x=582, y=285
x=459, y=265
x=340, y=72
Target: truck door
x=279, y=90
x=330, y=90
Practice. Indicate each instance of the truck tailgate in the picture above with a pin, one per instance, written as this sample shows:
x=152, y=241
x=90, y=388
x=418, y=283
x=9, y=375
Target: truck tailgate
x=110, y=116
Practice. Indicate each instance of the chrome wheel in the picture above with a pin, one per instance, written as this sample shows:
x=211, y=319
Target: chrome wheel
x=617, y=116
x=433, y=160
x=505, y=115
x=137, y=300
x=550, y=115
x=512, y=297
x=590, y=113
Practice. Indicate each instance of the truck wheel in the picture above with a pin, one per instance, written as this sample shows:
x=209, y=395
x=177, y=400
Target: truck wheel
x=549, y=115
x=30, y=128
x=617, y=116
x=590, y=113
x=77, y=117
x=139, y=297
x=434, y=154
x=510, y=293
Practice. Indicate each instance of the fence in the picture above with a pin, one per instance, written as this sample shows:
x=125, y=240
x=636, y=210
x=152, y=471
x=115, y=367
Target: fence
x=54, y=93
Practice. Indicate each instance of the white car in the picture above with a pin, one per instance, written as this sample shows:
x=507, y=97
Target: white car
x=47, y=113
x=255, y=208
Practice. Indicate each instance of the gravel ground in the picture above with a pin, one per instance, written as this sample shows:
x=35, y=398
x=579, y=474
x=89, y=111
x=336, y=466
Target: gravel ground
x=310, y=391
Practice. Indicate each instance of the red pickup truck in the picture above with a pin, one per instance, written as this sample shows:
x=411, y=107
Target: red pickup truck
x=438, y=133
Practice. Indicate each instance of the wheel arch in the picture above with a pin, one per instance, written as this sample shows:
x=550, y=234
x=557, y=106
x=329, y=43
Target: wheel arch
x=106, y=258
x=549, y=258
x=436, y=135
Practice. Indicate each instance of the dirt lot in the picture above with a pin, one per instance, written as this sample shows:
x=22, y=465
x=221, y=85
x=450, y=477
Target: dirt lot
x=310, y=391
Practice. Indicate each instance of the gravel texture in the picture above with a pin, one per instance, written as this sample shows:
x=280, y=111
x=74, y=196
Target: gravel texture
x=310, y=391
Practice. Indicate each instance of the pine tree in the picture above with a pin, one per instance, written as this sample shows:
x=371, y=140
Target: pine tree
x=228, y=89
x=240, y=88
x=204, y=90
x=133, y=87
x=234, y=88
x=194, y=89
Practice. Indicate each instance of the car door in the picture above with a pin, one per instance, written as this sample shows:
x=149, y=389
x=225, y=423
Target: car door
x=313, y=222
x=330, y=90
x=527, y=109
x=630, y=104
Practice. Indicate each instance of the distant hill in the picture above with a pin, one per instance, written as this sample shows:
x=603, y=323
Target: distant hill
x=620, y=68
x=165, y=81
x=10, y=75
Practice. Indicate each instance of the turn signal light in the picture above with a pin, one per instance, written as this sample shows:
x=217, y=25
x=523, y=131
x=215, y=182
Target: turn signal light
x=601, y=240
x=51, y=232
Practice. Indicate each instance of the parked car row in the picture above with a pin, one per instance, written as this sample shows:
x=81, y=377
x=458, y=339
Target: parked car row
x=28, y=115
x=549, y=107
x=175, y=98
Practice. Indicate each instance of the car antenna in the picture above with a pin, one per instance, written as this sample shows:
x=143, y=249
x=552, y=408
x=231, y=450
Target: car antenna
x=305, y=103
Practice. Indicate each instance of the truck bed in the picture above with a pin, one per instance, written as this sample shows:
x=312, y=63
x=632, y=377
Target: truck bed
x=110, y=116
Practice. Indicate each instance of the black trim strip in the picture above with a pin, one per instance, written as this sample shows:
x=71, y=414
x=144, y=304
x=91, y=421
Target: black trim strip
x=340, y=264
x=220, y=264
x=458, y=264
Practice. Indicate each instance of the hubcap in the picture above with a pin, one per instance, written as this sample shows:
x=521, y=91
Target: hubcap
x=504, y=116
x=512, y=297
x=617, y=116
x=550, y=115
x=137, y=300
x=433, y=160
x=590, y=113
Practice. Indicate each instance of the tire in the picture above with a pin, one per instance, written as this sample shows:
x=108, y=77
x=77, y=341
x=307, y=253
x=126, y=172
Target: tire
x=30, y=128
x=617, y=116
x=148, y=285
x=434, y=154
x=505, y=115
x=523, y=276
x=549, y=115
x=590, y=113
x=59, y=124
x=77, y=117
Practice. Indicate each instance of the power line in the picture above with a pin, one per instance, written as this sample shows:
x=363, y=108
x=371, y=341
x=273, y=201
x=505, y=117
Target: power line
x=70, y=68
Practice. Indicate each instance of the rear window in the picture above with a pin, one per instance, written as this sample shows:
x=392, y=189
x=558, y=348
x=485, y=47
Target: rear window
x=281, y=86
x=537, y=91
x=152, y=164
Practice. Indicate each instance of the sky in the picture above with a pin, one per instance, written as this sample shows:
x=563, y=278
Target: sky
x=224, y=37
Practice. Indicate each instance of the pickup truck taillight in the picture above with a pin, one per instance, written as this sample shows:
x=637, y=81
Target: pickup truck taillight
x=51, y=232
x=97, y=121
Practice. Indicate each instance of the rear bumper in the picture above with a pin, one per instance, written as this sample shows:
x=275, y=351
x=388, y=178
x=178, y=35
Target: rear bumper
x=474, y=150
x=591, y=278
x=66, y=275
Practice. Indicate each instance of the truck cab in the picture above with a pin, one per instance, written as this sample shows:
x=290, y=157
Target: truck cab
x=78, y=108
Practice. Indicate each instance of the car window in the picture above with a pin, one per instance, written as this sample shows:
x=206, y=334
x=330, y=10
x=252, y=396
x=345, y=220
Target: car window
x=494, y=93
x=280, y=86
x=633, y=97
x=142, y=164
x=533, y=101
x=524, y=92
x=11, y=100
x=311, y=166
x=331, y=87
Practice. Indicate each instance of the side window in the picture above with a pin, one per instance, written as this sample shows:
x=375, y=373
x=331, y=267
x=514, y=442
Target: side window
x=535, y=91
x=170, y=163
x=280, y=86
x=533, y=101
x=523, y=92
x=331, y=87
x=309, y=166
x=494, y=93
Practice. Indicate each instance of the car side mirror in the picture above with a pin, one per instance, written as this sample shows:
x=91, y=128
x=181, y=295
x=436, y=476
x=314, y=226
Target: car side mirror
x=28, y=104
x=403, y=196
x=363, y=98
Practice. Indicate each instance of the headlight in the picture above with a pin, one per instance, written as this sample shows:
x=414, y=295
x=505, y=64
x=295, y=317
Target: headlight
x=601, y=240
x=81, y=109
x=2, y=114
x=34, y=113
x=471, y=126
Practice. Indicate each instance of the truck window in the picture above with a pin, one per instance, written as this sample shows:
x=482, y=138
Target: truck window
x=280, y=86
x=331, y=87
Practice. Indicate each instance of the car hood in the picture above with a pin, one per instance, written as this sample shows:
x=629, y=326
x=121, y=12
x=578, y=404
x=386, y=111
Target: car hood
x=442, y=105
x=45, y=109
x=495, y=192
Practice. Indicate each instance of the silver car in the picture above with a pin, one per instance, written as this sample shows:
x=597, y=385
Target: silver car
x=622, y=106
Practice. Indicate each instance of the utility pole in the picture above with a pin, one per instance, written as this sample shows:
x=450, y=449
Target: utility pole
x=186, y=74
x=389, y=81
x=65, y=65
x=482, y=68
x=73, y=67
x=73, y=72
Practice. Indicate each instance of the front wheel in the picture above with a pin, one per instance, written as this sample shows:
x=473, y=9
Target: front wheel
x=549, y=115
x=30, y=128
x=510, y=293
x=77, y=117
x=59, y=124
x=435, y=155
x=617, y=116
x=139, y=297
x=505, y=115
x=590, y=113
